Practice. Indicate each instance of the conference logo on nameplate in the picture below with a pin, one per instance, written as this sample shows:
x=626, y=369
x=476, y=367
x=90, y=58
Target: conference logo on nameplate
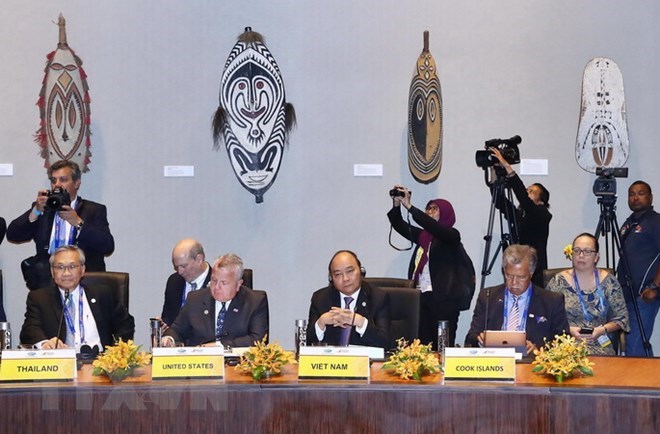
x=188, y=362
x=491, y=364
x=38, y=365
x=333, y=363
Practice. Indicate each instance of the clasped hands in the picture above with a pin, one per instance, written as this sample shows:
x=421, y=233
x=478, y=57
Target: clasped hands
x=338, y=317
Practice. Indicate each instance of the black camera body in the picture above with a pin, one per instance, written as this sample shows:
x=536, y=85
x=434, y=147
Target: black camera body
x=605, y=184
x=57, y=198
x=507, y=147
x=395, y=192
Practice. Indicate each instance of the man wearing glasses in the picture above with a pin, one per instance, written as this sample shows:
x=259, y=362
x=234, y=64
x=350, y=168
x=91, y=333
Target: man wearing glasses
x=518, y=304
x=60, y=217
x=68, y=315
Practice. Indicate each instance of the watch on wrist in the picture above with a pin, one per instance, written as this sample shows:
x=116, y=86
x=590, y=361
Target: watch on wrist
x=653, y=286
x=80, y=225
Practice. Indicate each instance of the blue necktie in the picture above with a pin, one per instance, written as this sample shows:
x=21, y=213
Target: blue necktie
x=71, y=314
x=345, y=336
x=221, y=320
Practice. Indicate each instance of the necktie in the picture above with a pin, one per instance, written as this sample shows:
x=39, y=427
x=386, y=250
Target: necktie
x=221, y=320
x=71, y=314
x=514, y=319
x=193, y=286
x=345, y=336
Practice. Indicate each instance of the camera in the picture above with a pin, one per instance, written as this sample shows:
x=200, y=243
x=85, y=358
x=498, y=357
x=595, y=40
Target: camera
x=507, y=147
x=605, y=184
x=395, y=192
x=57, y=198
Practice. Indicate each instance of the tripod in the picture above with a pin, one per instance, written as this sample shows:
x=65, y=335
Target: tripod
x=607, y=225
x=500, y=194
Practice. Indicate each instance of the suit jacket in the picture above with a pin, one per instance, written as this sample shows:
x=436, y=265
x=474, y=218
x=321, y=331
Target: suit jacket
x=44, y=310
x=546, y=316
x=174, y=289
x=373, y=303
x=3, y=229
x=246, y=320
x=94, y=239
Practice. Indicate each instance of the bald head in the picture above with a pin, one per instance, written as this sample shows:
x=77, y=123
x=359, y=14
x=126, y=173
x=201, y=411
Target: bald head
x=188, y=259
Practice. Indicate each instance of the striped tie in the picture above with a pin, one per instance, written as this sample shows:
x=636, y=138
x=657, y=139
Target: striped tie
x=514, y=319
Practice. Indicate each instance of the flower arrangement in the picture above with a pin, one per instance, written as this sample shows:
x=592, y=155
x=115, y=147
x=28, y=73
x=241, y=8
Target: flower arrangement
x=562, y=357
x=568, y=252
x=412, y=361
x=264, y=359
x=120, y=360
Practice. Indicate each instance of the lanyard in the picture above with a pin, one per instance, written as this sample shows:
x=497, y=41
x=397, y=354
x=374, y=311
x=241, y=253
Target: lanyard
x=599, y=292
x=523, y=312
x=69, y=319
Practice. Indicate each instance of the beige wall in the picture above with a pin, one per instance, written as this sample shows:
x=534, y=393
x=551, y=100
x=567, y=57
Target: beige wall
x=507, y=67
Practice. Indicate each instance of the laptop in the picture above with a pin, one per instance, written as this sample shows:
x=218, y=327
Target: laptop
x=506, y=339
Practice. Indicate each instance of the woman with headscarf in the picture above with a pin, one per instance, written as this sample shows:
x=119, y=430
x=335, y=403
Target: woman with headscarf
x=433, y=262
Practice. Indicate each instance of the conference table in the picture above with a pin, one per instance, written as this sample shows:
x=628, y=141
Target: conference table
x=622, y=397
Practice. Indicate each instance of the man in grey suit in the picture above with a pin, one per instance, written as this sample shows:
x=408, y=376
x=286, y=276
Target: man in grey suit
x=226, y=312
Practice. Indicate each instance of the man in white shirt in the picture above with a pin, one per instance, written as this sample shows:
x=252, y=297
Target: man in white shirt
x=70, y=315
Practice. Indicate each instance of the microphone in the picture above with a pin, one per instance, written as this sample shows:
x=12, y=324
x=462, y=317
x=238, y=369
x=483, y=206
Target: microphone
x=486, y=317
x=59, y=327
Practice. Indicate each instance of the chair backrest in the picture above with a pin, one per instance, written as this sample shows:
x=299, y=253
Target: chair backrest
x=390, y=282
x=116, y=280
x=404, y=313
x=549, y=273
x=247, y=278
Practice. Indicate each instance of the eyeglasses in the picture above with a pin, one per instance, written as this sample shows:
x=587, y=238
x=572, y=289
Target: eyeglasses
x=514, y=279
x=586, y=252
x=60, y=268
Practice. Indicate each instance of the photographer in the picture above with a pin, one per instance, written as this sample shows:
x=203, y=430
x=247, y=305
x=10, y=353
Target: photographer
x=74, y=221
x=532, y=214
x=434, y=262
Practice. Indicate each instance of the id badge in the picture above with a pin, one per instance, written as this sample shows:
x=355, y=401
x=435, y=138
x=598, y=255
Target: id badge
x=604, y=340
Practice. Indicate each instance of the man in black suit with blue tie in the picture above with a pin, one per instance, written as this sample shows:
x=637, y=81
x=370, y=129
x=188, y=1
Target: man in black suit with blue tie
x=227, y=312
x=348, y=310
x=192, y=272
x=518, y=304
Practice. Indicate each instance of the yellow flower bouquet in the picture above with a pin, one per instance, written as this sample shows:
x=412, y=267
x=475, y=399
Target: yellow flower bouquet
x=264, y=360
x=120, y=360
x=412, y=361
x=563, y=357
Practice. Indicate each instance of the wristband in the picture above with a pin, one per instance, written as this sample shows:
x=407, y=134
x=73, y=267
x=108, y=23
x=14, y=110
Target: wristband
x=36, y=211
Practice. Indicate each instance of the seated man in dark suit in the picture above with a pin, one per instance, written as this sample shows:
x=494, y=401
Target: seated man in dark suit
x=192, y=272
x=85, y=315
x=518, y=304
x=82, y=223
x=226, y=312
x=348, y=310
x=3, y=229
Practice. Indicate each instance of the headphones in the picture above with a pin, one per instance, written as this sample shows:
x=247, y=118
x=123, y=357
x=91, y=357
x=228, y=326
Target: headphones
x=363, y=271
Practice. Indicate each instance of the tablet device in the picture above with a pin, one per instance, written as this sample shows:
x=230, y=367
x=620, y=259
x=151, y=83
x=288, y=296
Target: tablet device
x=506, y=339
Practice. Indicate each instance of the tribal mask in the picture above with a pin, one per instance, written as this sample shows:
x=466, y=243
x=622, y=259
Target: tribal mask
x=253, y=118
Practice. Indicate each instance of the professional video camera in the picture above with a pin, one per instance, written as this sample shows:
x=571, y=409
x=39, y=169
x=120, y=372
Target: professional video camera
x=507, y=147
x=605, y=184
x=57, y=198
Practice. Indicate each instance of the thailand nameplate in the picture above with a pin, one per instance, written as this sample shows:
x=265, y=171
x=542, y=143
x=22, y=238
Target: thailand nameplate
x=38, y=365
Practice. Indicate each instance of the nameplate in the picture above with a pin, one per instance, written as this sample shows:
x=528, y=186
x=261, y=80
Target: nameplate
x=188, y=362
x=38, y=365
x=333, y=363
x=482, y=364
